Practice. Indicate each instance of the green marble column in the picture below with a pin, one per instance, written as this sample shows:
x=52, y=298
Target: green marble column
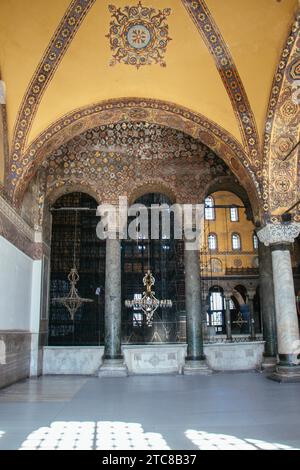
x=195, y=359
x=280, y=238
x=112, y=348
x=267, y=300
x=113, y=362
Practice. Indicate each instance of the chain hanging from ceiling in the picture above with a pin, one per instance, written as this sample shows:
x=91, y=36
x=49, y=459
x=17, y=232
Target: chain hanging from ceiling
x=72, y=301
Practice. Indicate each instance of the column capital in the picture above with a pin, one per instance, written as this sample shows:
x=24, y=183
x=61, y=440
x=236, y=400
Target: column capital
x=251, y=294
x=274, y=234
x=114, y=219
x=227, y=294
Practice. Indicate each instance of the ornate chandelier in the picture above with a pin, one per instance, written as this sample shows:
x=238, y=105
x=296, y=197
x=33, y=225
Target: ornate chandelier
x=148, y=303
x=72, y=301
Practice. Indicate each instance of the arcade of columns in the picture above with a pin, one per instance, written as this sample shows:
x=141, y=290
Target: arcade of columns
x=280, y=331
x=271, y=179
x=282, y=328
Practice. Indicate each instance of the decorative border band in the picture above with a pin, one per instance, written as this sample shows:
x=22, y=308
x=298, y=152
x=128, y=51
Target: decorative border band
x=134, y=109
x=15, y=230
x=45, y=71
x=281, y=130
x=212, y=37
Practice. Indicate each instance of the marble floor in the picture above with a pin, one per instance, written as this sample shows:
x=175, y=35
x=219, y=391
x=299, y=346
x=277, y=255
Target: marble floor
x=222, y=411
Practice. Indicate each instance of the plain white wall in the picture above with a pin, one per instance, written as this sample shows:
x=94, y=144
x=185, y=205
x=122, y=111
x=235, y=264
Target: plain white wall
x=15, y=288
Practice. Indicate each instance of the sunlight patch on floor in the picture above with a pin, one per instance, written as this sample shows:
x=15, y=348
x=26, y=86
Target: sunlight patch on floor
x=211, y=441
x=102, y=435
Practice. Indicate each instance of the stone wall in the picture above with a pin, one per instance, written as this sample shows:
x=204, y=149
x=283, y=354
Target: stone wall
x=14, y=356
x=23, y=323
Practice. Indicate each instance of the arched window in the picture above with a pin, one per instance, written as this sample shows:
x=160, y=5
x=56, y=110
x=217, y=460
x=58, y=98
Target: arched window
x=236, y=241
x=212, y=241
x=234, y=214
x=255, y=242
x=209, y=208
x=215, y=315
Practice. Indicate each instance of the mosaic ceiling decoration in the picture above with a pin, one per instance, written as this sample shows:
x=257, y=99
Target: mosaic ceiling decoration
x=133, y=110
x=282, y=132
x=116, y=159
x=138, y=35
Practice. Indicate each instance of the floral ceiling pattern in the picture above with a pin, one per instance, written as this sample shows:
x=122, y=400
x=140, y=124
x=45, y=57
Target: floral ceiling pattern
x=117, y=159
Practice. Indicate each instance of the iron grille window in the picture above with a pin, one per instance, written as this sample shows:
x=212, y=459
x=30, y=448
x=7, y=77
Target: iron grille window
x=165, y=259
x=88, y=325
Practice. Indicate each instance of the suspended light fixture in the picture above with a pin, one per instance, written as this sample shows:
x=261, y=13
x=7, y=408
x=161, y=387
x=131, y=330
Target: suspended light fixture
x=148, y=303
x=72, y=302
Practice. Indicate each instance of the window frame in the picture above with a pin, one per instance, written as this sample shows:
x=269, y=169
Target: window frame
x=255, y=241
x=215, y=237
x=209, y=208
x=235, y=234
x=236, y=209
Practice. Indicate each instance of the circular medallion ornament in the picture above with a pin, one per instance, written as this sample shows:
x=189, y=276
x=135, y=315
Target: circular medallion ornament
x=237, y=263
x=294, y=70
x=282, y=184
x=138, y=35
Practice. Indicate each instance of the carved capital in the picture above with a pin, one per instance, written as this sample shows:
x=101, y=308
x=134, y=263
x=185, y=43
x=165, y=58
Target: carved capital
x=251, y=294
x=273, y=234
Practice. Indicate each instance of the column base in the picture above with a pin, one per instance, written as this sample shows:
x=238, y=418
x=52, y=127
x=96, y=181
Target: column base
x=285, y=374
x=197, y=367
x=113, y=368
x=269, y=363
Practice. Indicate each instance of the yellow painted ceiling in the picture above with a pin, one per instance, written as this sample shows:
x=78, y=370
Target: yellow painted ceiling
x=85, y=75
x=254, y=31
x=26, y=28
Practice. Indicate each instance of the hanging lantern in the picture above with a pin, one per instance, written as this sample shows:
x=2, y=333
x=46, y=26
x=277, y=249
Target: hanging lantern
x=72, y=302
x=148, y=303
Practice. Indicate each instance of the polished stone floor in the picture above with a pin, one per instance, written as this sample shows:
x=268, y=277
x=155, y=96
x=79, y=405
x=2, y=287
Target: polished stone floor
x=222, y=411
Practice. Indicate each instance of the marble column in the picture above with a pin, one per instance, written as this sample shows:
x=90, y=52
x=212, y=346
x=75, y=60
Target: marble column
x=113, y=361
x=280, y=237
x=267, y=305
x=195, y=362
x=228, y=317
x=250, y=296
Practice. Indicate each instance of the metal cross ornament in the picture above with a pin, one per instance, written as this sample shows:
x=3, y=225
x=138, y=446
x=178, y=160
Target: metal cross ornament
x=148, y=303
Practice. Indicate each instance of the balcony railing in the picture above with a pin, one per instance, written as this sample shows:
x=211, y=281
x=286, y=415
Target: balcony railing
x=241, y=271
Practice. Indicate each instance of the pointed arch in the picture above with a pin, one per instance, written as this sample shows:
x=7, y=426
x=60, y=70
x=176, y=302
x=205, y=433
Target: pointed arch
x=134, y=109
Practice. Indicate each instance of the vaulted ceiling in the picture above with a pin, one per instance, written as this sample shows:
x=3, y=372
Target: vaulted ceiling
x=254, y=33
x=220, y=62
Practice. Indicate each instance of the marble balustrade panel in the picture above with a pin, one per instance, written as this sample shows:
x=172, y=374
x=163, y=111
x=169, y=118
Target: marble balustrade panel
x=14, y=356
x=152, y=359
